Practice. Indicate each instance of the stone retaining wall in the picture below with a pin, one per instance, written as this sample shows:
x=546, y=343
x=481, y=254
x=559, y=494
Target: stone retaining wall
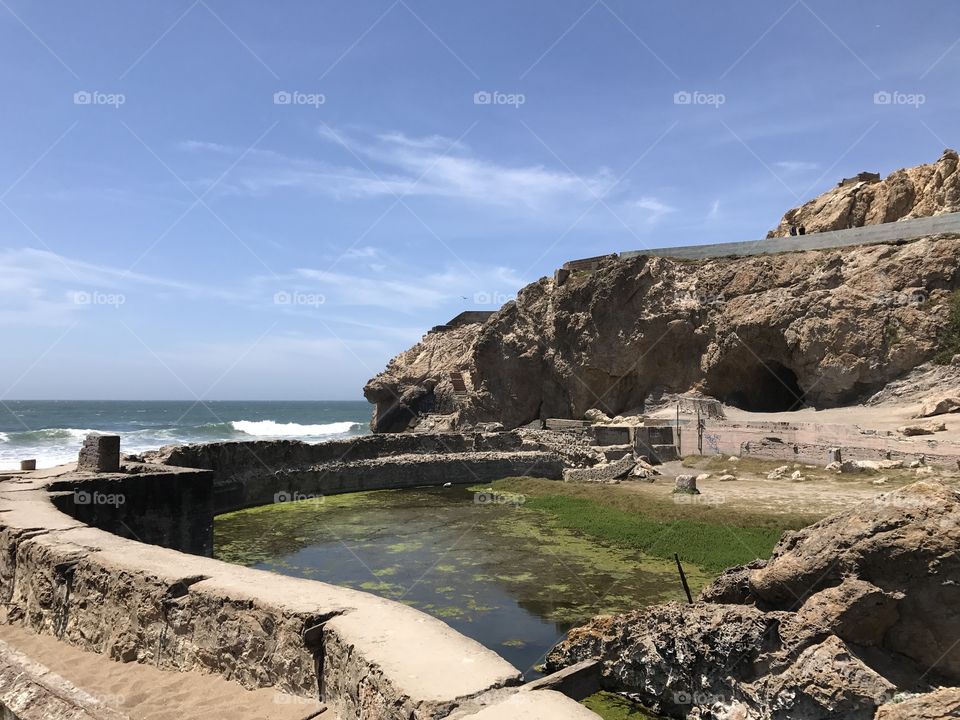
x=365, y=656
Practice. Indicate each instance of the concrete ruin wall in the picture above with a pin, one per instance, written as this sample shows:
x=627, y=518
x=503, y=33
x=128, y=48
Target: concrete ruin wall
x=811, y=443
x=250, y=474
x=172, y=508
x=365, y=656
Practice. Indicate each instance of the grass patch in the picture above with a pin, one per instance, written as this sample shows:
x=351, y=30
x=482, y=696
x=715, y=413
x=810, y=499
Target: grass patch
x=950, y=339
x=708, y=536
x=611, y=706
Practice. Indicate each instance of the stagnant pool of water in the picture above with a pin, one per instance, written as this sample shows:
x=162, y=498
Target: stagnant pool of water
x=489, y=567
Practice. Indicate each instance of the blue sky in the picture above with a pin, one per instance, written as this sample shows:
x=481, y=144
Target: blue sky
x=251, y=200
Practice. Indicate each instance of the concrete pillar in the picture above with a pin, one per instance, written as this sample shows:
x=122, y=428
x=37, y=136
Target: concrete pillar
x=100, y=453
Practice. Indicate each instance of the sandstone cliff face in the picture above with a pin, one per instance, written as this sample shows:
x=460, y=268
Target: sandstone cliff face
x=764, y=333
x=915, y=192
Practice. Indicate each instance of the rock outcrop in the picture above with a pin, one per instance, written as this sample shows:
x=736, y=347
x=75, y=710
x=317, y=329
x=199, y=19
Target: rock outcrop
x=763, y=333
x=865, y=199
x=847, y=615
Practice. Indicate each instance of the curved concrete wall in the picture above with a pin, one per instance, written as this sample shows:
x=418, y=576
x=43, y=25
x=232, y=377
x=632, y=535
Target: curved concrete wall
x=257, y=473
x=365, y=656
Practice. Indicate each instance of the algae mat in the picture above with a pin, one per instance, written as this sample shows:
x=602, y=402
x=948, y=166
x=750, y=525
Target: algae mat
x=492, y=569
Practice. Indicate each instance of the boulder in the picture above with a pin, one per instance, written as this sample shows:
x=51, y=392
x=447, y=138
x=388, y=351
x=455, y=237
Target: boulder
x=681, y=658
x=904, y=541
x=937, y=705
x=597, y=416
x=686, y=484
x=939, y=406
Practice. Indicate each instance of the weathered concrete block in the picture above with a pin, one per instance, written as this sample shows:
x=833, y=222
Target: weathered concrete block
x=611, y=435
x=28, y=464
x=686, y=484
x=100, y=453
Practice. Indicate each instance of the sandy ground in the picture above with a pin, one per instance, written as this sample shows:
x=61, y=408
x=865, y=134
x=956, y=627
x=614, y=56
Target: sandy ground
x=820, y=492
x=147, y=693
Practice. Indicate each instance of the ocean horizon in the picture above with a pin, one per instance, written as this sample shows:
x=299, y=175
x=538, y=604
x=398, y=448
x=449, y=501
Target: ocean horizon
x=52, y=431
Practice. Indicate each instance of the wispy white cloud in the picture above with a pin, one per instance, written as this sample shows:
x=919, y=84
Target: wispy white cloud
x=714, y=212
x=395, y=164
x=793, y=166
x=40, y=287
x=654, y=208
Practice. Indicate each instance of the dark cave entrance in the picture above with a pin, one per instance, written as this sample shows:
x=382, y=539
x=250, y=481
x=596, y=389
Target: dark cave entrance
x=766, y=387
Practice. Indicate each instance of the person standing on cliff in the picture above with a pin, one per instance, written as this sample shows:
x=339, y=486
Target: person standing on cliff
x=793, y=230
x=802, y=230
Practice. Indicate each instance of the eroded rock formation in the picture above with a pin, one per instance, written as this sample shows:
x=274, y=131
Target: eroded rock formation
x=772, y=332
x=846, y=616
x=865, y=199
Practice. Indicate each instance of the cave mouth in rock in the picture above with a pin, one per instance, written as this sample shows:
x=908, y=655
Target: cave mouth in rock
x=767, y=386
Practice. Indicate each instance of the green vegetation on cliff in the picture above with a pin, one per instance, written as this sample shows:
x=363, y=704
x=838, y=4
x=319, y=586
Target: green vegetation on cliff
x=950, y=339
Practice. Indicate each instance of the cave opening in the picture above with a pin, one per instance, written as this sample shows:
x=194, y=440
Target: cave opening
x=767, y=387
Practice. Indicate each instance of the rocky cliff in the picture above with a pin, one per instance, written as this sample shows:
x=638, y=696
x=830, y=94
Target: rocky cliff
x=766, y=332
x=853, y=613
x=865, y=199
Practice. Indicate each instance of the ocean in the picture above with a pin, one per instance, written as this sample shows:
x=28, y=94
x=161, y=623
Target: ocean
x=51, y=431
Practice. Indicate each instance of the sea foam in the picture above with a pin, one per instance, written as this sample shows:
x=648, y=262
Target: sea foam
x=269, y=428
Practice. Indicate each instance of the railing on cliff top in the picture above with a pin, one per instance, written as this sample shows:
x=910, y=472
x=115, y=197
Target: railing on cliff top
x=867, y=235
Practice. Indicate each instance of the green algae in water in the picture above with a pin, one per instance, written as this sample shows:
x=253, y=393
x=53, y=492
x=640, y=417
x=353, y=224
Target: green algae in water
x=506, y=575
x=611, y=706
